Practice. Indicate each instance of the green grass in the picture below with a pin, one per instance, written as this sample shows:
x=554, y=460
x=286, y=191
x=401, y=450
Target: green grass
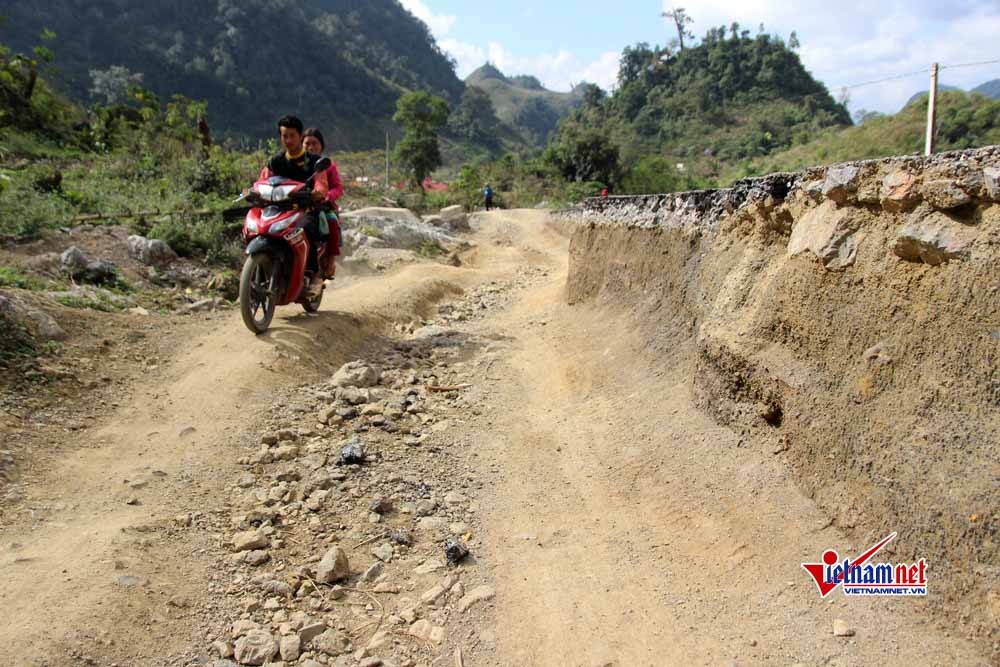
x=371, y=230
x=430, y=248
x=11, y=277
x=97, y=302
x=964, y=121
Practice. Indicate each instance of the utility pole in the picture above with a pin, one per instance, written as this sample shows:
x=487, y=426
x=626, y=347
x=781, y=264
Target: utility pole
x=932, y=110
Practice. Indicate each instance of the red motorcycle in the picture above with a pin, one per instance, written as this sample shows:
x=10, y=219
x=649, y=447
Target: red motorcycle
x=277, y=247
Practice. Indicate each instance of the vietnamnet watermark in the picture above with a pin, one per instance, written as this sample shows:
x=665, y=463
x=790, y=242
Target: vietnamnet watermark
x=856, y=576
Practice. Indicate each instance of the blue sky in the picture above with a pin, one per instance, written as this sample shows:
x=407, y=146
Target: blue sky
x=843, y=43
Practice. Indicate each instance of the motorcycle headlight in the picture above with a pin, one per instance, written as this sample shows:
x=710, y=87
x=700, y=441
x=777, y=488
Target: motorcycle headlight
x=284, y=224
x=251, y=226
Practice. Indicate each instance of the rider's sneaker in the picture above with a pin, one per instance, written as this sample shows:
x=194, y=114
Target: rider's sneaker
x=315, y=287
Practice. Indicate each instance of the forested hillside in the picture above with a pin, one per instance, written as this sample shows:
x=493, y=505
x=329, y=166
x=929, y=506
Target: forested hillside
x=341, y=64
x=964, y=120
x=731, y=98
x=524, y=104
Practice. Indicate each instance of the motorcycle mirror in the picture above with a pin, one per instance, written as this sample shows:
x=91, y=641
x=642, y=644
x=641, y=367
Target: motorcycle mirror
x=323, y=164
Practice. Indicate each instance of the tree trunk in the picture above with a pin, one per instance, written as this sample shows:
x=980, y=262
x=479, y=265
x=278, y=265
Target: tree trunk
x=29, y=88
x=206, y=135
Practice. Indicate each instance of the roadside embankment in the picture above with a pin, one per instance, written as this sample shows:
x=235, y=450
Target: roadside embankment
x=846, y=318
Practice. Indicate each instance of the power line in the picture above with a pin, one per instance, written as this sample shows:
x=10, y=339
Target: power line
x=889, y=78
x=918, y=72
x=983, y=62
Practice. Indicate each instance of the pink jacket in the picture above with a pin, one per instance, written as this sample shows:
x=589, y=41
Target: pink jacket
x=336, y=190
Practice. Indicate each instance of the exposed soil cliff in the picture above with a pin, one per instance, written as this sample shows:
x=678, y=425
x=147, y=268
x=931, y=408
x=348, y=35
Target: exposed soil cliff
x=847, y=319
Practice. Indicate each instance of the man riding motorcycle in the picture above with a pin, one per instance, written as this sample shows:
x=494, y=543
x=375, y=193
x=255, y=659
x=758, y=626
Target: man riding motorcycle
x=298, y=165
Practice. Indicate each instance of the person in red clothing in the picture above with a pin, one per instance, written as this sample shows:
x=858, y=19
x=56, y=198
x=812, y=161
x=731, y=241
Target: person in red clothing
x=604, y=192
x=297, y=164
x=315, y=144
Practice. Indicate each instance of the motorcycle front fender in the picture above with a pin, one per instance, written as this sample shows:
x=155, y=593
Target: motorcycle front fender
x=258, y=245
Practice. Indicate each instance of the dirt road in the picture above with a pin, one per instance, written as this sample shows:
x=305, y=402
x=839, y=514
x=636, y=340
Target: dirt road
x=617, y=524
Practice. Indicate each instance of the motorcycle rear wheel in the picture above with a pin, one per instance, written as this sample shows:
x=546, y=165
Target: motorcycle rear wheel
x=257, y=297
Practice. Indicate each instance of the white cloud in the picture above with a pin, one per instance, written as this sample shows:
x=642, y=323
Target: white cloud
x=560, y=70
x=440, y=24
x=854, y=42
x=603, y=71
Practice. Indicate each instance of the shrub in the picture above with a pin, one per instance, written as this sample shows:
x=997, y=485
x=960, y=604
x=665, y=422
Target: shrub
x=190, y=236
x=25, y=213
x=429, y=248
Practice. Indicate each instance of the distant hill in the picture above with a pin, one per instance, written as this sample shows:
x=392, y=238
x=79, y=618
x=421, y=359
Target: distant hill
x=340, y=64
x=524, y=104
x=990, y=89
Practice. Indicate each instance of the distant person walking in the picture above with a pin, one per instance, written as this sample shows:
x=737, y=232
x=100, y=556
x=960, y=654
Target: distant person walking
x=604, y=192
x=488, y=196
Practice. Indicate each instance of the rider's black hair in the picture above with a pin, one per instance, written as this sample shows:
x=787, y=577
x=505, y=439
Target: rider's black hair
x=291, y=122
x=313, y=132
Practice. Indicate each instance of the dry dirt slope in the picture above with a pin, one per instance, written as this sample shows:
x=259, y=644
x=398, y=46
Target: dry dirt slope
x=845, y=319
x=616, y=521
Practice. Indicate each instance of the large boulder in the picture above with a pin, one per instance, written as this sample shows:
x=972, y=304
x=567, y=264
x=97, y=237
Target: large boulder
x=829, y=233
x=82, y=269
x=455, y=218
x=933, y=238
x=354, y=240
x=38, y=323
x=397, y=228
x=151, y=252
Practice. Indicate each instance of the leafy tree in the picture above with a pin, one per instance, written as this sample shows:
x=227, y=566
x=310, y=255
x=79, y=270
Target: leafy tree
x=468, y=187
x=112, y=85
x=538, y=119
x=681, y=22
x=475, y=119
x=862, y=116
x=582, y=153
x=653, y=174
x=421, y=115
x=593, y=96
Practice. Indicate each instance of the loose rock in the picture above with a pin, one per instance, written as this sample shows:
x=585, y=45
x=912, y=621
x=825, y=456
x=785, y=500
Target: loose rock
x=356, y=374
x=250, y=540
x=455, y=551
x=353, y=452
x=842, y=629
x=333, y=567
x=478, y=594
x=257, y=647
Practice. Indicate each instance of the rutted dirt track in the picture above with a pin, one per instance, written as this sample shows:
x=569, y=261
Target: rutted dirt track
x=618, y=524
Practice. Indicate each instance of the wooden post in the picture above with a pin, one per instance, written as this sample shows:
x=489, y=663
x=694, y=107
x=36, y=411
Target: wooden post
x=387, y=161
x=932, y=111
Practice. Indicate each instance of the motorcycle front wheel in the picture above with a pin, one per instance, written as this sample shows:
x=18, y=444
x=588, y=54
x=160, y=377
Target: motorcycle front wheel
x=312, y=305
x=257, y=292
